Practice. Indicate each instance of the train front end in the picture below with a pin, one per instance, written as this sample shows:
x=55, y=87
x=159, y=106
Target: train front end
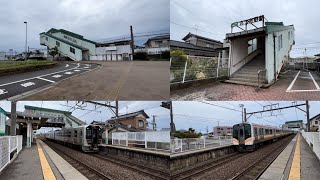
x=243, y=137
x=92, y=138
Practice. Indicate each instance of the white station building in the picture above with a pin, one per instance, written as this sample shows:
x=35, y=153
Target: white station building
x=77, y=48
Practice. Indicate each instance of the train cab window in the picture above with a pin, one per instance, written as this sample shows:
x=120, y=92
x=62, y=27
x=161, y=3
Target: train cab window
x=235, y=132
x=247, y=131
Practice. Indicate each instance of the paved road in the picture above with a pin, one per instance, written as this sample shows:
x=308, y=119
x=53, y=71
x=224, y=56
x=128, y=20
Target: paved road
x=123, y=80
x=292, y=85
x=12, y=85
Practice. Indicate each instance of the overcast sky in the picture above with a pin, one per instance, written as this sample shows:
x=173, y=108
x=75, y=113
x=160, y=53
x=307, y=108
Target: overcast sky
x=94, y=19
x=215, y=18
x=101, y=113
x=199, y=115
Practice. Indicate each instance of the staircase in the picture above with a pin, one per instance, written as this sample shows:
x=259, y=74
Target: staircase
x=248, y=74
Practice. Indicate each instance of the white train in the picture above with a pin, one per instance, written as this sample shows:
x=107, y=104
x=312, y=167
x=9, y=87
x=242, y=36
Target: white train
x=247, y=136
x=86, y=137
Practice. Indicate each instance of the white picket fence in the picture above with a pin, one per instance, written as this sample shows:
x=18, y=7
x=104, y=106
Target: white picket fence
x=190, y=144
x=9, y=144
x=159, y=140
x=313, y=139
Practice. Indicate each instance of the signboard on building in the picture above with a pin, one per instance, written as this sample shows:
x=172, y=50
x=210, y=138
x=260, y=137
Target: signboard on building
x=3, y=118
x=248, y=21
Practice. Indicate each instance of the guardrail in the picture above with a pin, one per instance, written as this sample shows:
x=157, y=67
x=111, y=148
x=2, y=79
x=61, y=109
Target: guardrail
x=159, y=140
x=9, y=145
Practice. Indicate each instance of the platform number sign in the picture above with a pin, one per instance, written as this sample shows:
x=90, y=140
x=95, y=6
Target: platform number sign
x=2, y=121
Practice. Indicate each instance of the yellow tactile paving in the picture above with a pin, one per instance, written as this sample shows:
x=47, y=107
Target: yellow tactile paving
x=46, y=169
x=295, y=167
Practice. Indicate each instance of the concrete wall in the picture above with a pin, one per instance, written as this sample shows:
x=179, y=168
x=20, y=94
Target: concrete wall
x=282, y=55
x=193, y=158
x=239, y=50
x=152, y=159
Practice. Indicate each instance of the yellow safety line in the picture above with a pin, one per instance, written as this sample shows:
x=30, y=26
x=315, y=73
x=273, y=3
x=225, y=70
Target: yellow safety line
x=295, y=167
x=46, y=169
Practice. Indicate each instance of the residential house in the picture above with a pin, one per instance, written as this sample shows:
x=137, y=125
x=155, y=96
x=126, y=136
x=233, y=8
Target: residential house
x=314, y=123
x=222, y=131
x=158, y=44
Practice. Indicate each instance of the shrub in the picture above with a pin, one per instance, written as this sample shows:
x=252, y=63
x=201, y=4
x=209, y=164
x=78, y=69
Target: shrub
x=140, y=56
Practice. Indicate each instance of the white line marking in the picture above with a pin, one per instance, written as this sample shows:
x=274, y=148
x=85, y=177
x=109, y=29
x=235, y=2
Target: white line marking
x=311, y=90
x=68, y=73
x=45, y=79
x=57, y=76
x=83, y=69
x=292, y=83
x=315, y=83
x=76, y=70
x=28, y=84
x=3, y=91
x=38, y=76
x=67, y=65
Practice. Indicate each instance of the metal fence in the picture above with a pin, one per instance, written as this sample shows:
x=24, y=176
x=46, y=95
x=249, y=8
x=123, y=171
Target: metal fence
x=197, y=68
x=9, y=145
x=159, y=140
x=313, y=139
x=190, y=144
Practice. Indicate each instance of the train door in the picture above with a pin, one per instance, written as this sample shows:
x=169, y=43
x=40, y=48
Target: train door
x=95, y=136
x=241, y=135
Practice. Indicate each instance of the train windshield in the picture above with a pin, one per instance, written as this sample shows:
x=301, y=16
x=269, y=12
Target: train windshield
x=235, y=131
x=247, y=131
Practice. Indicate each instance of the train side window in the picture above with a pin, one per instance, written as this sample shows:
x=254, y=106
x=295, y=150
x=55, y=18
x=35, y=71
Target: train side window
x=255, y=132
x=75, y=133
x=80, y=133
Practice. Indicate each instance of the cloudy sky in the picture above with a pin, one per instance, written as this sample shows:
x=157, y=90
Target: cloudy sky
x=100, y=113
x=213, y=18
x=94, y=19
x=199, y=115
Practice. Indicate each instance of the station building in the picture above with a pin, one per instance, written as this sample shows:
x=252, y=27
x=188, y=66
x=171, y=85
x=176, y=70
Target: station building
x=260, y=52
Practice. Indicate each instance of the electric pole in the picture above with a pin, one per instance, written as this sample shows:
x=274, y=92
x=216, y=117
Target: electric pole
x=308, y=116
x=154, y=125
x=168, y=105
x=132, y=42
x=13, y=118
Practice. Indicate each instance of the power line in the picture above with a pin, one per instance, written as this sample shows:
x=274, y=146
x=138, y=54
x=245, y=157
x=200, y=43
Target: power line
x=194, y=28
x=221, y=106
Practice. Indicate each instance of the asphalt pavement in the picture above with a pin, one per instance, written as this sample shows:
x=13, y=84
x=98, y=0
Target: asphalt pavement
x=16, y=84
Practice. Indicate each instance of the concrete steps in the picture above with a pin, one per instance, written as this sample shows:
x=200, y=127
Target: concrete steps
x=248, y=74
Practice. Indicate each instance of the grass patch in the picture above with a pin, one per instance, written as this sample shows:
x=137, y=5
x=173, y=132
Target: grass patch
x=11, y=65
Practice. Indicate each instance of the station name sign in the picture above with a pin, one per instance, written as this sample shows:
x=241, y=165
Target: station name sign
x=248, y=21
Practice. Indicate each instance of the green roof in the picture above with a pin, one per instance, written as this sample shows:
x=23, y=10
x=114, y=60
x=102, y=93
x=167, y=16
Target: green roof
x=69, y=33
x=64, y=41
x=276, y=26
x=46, y=109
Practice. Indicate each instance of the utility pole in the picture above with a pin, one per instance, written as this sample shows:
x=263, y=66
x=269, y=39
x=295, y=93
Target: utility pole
x=117, y=114
x=132, y=42
x=308, y=116
x=154, y=125
x=25, y=58
x=168, y=105
x=242, y=105
x=245, y=115
x=13, y=118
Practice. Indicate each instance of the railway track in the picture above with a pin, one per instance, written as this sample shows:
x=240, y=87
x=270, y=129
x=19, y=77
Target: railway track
x=189, y=173
x=83, y=168
x=155, y=174
x=257, y=168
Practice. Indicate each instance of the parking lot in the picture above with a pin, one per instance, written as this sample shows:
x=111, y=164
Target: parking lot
x=134, y=80
x=292, y=85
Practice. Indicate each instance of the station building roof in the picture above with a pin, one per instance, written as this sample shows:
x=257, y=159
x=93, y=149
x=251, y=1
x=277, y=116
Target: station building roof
x=69, y=33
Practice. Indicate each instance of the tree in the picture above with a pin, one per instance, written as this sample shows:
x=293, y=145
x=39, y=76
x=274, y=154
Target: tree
x=53, y=52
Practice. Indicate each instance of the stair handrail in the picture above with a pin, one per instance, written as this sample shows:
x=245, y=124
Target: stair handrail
x=262, y=70
x=258, y=51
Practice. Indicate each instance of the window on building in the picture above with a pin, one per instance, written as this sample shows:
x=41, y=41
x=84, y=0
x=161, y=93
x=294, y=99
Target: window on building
x=252, y=45
x=279, y=42
x=140, y=123
x=289, y=34
x=46, y=38
x=58, y=43
x=72, y=50
x=315, y=122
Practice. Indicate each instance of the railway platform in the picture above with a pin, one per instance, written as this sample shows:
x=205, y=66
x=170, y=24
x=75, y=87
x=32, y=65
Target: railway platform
x=297, y=161
x=40, y=162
